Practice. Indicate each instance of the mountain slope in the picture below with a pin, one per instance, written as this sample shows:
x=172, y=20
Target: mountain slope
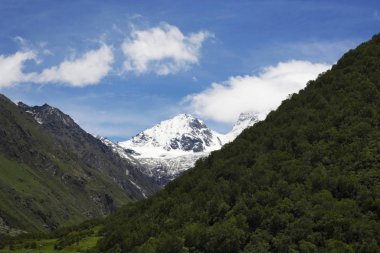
x=52, y=173
x=306, y=179
x=90, y=150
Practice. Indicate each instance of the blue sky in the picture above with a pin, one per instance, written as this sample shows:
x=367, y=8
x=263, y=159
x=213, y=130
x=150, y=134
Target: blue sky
x=118, y=67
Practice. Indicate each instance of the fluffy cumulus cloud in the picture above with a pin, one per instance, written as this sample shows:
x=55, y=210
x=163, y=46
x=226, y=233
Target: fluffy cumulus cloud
x=86, y=70
x=260, y=93
x=163, y=50
x=11, y=68
x=89, y=69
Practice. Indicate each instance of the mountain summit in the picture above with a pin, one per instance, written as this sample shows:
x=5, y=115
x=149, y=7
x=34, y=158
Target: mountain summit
x=171, y=147
x=47, y=114
x=244, y=121
x=174, y=145
x=179, y=135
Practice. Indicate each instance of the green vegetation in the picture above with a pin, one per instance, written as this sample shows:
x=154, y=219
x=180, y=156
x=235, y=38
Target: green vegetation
x=49, y=245
x=32, y=200
x=55, y=174
x=79, y=238
x=307, y=179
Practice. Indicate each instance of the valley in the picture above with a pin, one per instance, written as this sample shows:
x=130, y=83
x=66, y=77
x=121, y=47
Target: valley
x=235, y=126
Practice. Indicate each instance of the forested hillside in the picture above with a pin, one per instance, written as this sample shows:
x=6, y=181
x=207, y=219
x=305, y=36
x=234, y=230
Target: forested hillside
x=307, y=179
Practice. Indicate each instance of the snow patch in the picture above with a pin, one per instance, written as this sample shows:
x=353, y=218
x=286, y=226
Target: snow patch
x=138, y=187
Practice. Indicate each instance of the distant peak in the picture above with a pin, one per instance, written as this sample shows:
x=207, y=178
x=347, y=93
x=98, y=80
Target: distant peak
x=247, y=116
x=184, y=116
x=246, y=119
x=183, y=132
x=46, y=106
x=22, y=105
x=36, y=107
x=183, y=120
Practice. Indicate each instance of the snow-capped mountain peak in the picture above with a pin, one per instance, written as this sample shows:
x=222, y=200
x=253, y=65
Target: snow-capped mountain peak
x=174, y=145
x=245, y=120
x=179, y=135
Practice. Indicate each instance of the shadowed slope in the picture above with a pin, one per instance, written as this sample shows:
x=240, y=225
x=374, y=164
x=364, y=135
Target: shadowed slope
x=55, y=174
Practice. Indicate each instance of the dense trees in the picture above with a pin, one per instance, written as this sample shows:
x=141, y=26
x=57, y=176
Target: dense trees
x=307, y=179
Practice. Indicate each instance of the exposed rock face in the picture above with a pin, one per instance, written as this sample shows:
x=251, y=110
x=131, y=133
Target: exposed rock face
x=48, y=115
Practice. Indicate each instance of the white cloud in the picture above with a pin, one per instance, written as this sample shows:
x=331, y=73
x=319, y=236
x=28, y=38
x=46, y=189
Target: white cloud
x=163, y=50
x=11, y=68
x=86, y=70
x=260, y=93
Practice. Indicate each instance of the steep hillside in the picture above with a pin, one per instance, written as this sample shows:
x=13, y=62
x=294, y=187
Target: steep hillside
x=307, y=179
x=91, y=151
x=52, y=173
